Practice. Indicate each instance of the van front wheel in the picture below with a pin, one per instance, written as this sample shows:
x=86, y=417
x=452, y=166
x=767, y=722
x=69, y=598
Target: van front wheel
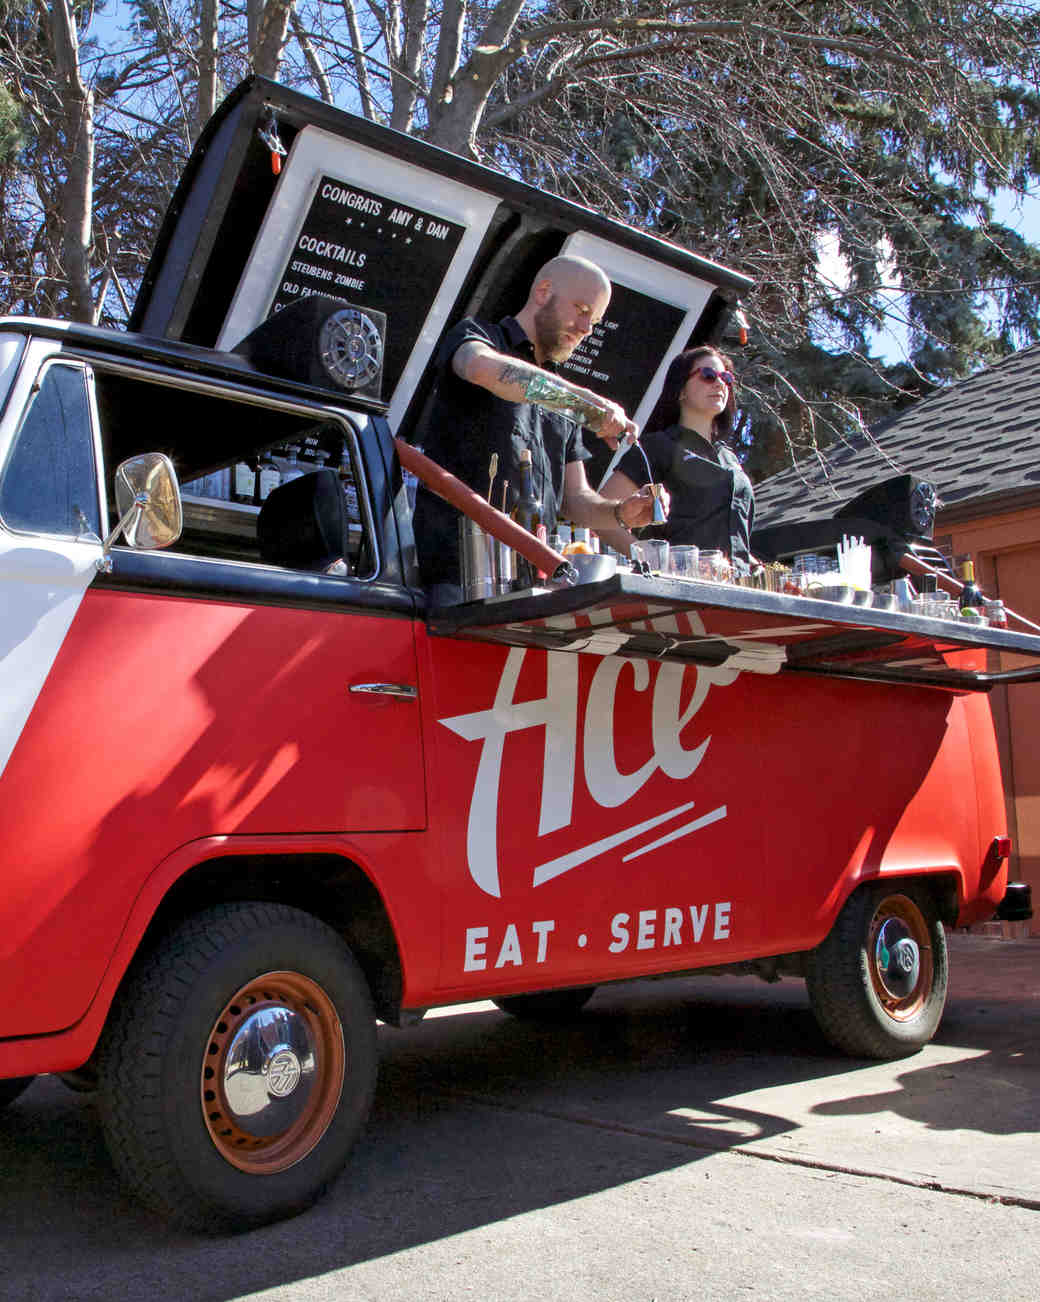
x=877, y=983
x=12, y=1087
x=237, y=1067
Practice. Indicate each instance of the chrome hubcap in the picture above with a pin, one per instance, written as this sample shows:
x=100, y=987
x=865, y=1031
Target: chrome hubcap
x=897, y=958
x=269, y=1070
x=273, y=1072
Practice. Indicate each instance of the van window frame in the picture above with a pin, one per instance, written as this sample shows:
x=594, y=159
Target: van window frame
x=8, y=450
x=243, y=395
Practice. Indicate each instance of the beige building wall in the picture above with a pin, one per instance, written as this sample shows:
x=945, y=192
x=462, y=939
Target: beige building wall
x=1006, y=549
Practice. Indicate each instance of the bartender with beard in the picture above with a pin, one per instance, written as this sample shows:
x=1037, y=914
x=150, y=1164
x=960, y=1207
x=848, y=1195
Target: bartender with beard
x=498, y=392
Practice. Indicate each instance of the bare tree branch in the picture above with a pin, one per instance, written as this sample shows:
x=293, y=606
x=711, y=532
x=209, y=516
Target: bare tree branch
x=321, y=78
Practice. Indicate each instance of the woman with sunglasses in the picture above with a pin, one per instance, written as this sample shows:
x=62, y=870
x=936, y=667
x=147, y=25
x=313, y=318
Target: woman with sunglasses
x=712, y=501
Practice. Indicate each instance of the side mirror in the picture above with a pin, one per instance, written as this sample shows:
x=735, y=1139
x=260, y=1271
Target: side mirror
x=148, y=499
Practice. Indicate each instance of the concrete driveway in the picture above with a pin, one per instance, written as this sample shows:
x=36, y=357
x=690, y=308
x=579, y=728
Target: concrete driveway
x=684, y=1139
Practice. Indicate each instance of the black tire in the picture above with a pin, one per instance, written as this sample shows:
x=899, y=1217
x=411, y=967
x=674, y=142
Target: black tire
x=81, y=1081
x=877, y=984
x=548, y=1006
x=238, y=1067
x=11, y=1088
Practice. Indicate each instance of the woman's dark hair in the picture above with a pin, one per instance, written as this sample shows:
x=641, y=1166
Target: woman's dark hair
x=666, y=409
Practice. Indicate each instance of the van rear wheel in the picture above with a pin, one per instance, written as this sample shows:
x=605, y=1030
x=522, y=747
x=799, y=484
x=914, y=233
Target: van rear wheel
x=878, y=982
x=238, y=1066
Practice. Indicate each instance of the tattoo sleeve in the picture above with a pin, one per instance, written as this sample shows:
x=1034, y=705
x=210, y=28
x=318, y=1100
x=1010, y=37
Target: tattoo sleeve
x=545, y=390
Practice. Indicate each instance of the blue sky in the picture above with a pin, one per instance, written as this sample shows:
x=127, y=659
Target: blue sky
x=1023, y=215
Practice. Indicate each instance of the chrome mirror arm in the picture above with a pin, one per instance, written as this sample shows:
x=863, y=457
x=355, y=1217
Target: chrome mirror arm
x=140, y=501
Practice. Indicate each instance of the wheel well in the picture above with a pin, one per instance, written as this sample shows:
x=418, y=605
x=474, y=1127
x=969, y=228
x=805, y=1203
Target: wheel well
x=945, y=894
x=331, y=888
x=941, y=887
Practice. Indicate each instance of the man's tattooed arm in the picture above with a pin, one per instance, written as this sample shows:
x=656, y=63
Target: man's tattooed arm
x=545, y=390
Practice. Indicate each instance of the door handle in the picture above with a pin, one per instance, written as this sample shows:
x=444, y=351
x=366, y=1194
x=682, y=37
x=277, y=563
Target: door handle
x=402, y=691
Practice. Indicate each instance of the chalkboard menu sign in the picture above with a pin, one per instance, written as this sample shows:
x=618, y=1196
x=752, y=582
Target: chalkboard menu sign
x=621, y=356
x=373, y=252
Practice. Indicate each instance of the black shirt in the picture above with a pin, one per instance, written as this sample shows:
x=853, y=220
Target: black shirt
x=466, y=425
x=713, y=503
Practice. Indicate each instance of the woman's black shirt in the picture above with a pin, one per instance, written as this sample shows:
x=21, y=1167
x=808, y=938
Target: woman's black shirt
x=713, y=503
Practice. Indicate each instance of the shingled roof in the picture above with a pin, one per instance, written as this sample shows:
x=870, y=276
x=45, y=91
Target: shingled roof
x=977, y=442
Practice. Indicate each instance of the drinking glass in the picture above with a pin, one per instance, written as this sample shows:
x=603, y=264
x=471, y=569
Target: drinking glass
x=685, y=561
x=655, y=552
x=714, y=566
x=803, y=571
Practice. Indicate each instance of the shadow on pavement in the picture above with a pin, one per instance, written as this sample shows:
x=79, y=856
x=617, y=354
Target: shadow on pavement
x=478, y=1118
x=994, y=1094
x=473, y=1123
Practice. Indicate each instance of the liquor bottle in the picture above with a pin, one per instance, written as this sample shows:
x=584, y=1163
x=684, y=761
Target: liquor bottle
x=528, y=509
x=346, y=478
x=268, y=477
x=971, y=597
x=244, y=483
x=527, y=513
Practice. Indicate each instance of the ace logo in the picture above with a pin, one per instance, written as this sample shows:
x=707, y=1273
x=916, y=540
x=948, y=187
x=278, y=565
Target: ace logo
x=560, y=713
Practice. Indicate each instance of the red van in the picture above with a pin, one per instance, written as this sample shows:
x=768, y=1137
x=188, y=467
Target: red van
x=256, y=793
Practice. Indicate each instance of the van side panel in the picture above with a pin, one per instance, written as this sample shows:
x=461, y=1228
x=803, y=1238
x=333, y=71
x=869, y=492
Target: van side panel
x=982, y=897
x=379, y=854
x=165, y=720
x=602, y=817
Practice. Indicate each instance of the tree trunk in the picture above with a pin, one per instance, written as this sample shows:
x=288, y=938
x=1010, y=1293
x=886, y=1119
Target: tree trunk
x=449, y=48
x=270, y=37
x=368, y=104
x=457, y=109
x=77, y=128
x=206, y=100
x=318, y=73
x=404, y=80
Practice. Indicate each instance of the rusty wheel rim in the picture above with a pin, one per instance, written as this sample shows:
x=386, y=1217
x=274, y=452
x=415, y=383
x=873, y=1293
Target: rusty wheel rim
x=272, y=1072
x=900, y=958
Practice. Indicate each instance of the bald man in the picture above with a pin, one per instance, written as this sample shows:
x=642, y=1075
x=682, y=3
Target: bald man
x=498, y=391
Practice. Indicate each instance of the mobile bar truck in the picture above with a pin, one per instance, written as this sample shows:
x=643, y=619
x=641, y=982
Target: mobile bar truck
x=256, y=793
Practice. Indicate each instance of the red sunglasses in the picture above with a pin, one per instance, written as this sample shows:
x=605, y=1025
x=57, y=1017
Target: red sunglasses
x=709, y=374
